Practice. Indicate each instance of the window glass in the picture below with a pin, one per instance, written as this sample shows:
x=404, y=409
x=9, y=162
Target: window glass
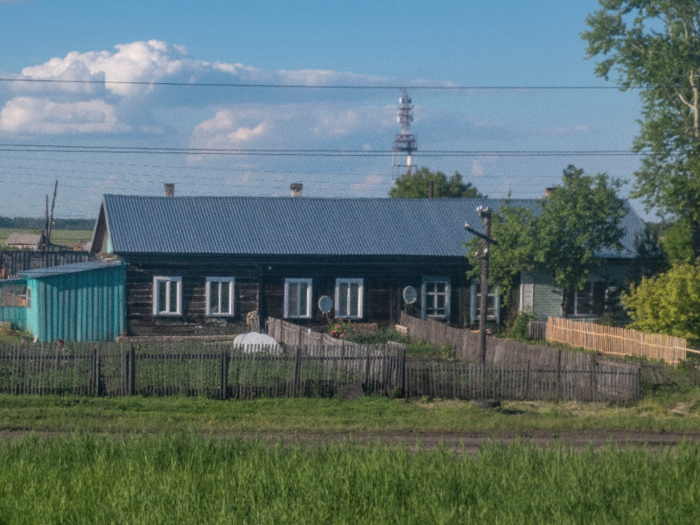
x=219, y=295
x=166, y=295
x=348, y=298
x=13, y=296
x=491, y=302
x=225, y=293
x=162, y=296
x=297, y=298
x=214, y=289
x=436, y=298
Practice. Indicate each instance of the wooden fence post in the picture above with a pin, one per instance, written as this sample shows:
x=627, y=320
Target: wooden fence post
x=95, y=371
x=224, y=373
x=527, y=381
x=297, y=370
x=369, y=353
x=131, y=378
x=559, y=375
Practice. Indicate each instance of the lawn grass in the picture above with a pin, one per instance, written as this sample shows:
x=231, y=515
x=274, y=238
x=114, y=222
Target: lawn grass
x=662, y=412
x=66, y=238
x=180, y=479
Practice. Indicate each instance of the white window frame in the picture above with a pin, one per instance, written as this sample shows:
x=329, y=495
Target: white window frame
x=309, y=296
x=424, y=296
x=360, y=297
x=220, y=281
x=168, y=280
x=494, y=291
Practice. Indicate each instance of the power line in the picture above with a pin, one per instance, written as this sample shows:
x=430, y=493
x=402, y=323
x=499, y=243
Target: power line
x=301, y=86
x=48, y=148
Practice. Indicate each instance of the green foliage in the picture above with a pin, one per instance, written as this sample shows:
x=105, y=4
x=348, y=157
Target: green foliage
x=416, y=186
x=676, y=241
x=181, y=479
x=668, y=303
x=654, y=45
x=341, y=329
x=650, y=258
x=520, y=329
x=513, y=228
x=580, y=219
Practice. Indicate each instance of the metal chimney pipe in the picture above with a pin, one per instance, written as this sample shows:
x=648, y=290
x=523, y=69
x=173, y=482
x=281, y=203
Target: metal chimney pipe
x=296, y=189
x=169, y=189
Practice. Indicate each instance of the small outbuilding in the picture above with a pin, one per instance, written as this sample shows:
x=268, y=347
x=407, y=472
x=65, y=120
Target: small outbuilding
x=25, y=241
x=74, y=302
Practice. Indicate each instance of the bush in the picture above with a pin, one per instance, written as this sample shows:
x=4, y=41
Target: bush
x=520, y=329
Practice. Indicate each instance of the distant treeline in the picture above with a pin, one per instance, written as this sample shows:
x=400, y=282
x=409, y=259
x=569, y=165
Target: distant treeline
x=29, y=223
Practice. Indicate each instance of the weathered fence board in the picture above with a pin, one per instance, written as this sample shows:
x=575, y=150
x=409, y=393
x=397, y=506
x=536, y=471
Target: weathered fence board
x=616, y=341
x=216, y=370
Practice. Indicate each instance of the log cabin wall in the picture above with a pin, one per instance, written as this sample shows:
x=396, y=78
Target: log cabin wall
x=259, y=285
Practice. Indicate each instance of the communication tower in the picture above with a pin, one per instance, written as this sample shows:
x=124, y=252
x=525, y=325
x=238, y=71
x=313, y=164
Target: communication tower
x=405, y=144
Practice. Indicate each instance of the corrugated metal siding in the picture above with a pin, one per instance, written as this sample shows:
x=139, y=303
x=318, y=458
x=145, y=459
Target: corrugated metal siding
x=17, y=316
x=301, y=226
x=85, y=306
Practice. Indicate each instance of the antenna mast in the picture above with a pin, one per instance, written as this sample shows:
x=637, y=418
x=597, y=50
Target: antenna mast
x=405, y=143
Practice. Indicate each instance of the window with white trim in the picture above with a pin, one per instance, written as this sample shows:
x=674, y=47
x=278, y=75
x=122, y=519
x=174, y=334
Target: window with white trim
x=493, y=303
x=435, y=298
x=297, y=298
x=348, y=298
x=167, y=295
x=219, y=296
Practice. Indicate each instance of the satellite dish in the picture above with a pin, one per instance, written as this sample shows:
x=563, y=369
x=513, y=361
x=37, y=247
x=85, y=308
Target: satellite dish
x=410, y=294
x=325, y=304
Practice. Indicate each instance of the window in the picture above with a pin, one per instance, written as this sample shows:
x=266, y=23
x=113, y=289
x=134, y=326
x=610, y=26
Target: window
x=435, y=295
x=15, y=296
x=589, y=301
x=348, y=298
x=220, y=295
x=297, y=298
x=493, y=304
x=167, y=295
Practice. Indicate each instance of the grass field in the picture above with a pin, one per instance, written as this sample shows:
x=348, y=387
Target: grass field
x=61, y=237
x=82, y=479
x=667, y=412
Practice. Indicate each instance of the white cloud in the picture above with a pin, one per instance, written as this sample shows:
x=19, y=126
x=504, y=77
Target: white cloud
x=370, y=182
x=477, y=169
x=41, y=115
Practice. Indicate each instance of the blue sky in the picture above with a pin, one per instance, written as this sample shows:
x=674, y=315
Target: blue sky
x=508, y=43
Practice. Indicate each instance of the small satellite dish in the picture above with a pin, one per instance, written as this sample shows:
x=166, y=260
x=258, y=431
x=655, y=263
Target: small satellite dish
x=325, y=304
x=410, y=294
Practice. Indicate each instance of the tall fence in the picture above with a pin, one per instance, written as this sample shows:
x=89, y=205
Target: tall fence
x=15, y=262
x=616, y=341
x=215, y=370
x=462, y=380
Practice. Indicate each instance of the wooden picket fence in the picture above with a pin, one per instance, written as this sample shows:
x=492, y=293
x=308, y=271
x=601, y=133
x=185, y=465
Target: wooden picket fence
x=617, y=341
x=461, y=380
x=215, y=369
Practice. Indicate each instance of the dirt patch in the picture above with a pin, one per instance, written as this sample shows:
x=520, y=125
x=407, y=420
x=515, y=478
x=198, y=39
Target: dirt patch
x=457, y=442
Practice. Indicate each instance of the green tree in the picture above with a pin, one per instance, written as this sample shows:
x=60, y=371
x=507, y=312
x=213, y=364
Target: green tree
x=676, y=241
x=415, y=186
x=654, y=45
x=580, y=219
x=668, y=303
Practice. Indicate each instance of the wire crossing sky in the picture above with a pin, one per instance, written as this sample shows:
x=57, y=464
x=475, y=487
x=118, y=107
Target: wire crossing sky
x=247, y=98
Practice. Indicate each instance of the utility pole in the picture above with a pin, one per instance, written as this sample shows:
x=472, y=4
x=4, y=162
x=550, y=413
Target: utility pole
x=485, y=215
x=50, y=220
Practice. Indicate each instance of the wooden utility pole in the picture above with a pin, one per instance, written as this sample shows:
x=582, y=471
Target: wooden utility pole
x=50, y=219
x=485, y=215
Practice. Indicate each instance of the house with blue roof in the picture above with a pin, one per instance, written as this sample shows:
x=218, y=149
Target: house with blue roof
x=204, y=265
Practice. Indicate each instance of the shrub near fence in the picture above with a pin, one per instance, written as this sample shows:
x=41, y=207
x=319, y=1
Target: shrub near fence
x=617, y=341
x=215, y=370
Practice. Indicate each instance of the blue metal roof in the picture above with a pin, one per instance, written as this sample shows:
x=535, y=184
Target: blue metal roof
x=69, y=268
x=302, y=226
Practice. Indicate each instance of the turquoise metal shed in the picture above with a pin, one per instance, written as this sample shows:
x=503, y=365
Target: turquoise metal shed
x=76, y=302
x=13, y=298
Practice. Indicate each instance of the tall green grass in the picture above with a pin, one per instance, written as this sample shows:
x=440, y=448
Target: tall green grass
x=83, y=479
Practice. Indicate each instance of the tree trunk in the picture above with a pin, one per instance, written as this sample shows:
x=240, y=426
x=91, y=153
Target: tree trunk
x=695, y=238
x=564, y=302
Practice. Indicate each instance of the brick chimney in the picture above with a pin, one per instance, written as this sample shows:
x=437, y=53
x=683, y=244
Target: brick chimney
x=296, y=189
x=169, y=189
x=548, y=191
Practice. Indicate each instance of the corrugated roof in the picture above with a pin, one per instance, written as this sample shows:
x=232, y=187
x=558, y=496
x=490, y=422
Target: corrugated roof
x=23, y=238
x=302, y=226
x=69, y=268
